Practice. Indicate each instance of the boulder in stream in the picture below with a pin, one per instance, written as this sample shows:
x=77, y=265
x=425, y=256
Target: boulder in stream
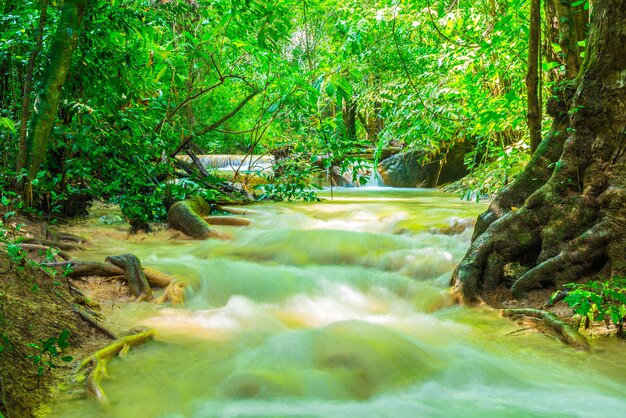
x=409, y=169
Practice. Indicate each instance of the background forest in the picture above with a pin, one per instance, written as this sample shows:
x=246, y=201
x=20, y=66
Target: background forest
x=299, y=79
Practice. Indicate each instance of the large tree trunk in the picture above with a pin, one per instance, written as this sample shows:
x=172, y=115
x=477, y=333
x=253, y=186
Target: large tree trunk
x=61, y=51
x=532, y=77
x=28, y=81
x=575, y=224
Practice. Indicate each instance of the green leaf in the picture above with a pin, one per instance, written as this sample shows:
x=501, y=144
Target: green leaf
x=8, y=123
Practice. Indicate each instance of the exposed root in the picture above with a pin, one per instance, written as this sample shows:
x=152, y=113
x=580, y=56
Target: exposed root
x=50, y=234
x=134, y=275
x=93, y=268
x=57, y=244
x=45, y=248
x=227, y=220
x=157, y=278
x=235, y=211
x=187, y=216
x=99, y=359
x=174, y=294
x=94, y=323
x=566, y=332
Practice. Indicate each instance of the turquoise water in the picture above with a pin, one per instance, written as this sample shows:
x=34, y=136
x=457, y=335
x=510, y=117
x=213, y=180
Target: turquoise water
x=338, y=309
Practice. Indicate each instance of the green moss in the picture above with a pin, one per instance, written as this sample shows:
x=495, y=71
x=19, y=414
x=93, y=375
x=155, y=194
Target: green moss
x=525, y=238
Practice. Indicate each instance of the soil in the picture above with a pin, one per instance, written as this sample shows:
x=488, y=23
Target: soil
x=36, y=305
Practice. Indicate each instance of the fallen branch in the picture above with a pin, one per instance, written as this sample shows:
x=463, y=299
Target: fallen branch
x=568, y=333
x=99, y=359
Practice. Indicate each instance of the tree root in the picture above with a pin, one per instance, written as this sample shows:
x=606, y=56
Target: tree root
x=575, y=258
x=39, y=247
x=99, y=359
x=174, y=293
x=187, y=216
x=135, y=276
x=92, y=321
x=566, y=332
x=50, y=234
x=57, y=244
x=227, y=220
x=235, y=211
x=93, y=268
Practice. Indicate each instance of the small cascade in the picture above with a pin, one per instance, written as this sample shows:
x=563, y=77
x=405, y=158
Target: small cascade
x=375, y=180
x=232, y=162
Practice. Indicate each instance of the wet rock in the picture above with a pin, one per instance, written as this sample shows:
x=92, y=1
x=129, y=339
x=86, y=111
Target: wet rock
x=411, y=170
x=457, y=226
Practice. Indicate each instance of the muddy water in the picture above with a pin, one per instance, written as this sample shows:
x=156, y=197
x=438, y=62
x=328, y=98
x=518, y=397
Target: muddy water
x=338, y=309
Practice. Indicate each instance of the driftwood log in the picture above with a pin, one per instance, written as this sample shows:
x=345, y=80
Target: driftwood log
x=566, y=332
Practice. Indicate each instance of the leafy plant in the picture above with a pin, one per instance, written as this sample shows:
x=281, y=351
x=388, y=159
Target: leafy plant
x=294, y=180
x=599, y=300
x=47, y=351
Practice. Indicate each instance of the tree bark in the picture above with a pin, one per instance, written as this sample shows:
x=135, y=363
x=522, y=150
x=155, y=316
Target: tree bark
x=28, y=81
x=349, y=118
x=61, y=51
x=575, y=224
x=532, y=77
x=540, y=167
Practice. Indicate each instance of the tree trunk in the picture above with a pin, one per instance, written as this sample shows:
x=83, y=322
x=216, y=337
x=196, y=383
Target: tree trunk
x=575, y=224
x=61, y=51
x=28, y=84
x=532, y=77
x=349, y=118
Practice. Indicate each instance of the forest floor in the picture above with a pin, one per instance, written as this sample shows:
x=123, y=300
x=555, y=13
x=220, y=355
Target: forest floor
x=37, y=312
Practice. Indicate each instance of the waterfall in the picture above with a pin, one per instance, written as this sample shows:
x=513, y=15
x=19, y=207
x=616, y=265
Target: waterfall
x=375, y=180
x=228, y=162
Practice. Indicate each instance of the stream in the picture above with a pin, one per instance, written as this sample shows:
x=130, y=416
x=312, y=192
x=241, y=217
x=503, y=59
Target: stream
x=337, y=309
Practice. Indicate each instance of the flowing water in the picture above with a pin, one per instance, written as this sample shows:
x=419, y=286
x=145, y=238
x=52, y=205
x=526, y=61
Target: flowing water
x=339, y=309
